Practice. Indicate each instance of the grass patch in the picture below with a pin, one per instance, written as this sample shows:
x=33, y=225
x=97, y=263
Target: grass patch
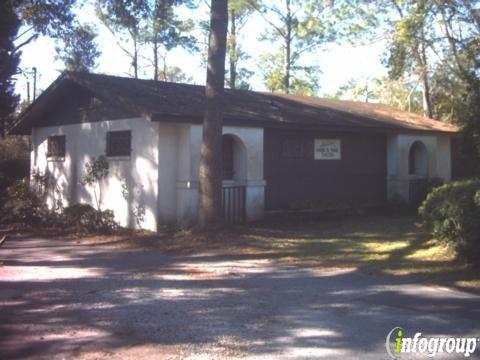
x=391, y=244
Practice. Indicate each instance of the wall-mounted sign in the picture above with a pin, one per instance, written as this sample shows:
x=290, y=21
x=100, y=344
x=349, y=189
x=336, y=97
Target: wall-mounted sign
x=327, y=149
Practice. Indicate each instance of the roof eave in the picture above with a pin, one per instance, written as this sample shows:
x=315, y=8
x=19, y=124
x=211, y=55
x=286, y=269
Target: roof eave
x=236, y=121
x=18, y=126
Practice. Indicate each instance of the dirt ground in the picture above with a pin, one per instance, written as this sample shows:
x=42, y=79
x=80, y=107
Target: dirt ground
x=63, y=298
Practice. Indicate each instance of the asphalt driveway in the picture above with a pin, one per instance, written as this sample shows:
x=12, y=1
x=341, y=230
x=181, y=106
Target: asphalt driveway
x=62, y=300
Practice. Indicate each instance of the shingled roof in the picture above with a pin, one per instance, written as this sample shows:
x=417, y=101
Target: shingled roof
x=164, y=101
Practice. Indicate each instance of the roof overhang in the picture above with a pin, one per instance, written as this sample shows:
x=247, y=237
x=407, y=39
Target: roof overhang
x=243, y=108
x=242, y=122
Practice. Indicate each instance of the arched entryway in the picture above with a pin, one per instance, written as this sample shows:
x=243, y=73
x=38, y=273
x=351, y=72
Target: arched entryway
x=418, y=160
x=418, y=169
x=234, y=156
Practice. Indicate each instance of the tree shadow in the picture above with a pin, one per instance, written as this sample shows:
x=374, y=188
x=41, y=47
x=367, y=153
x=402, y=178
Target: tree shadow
x=98, y=301
x=390, y=243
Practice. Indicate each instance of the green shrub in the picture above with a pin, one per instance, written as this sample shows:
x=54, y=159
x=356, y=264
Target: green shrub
x=87, y=218
x=74, y=213
x=13, y=170
x=22, y=205
x=451, y=213
x=99, y=222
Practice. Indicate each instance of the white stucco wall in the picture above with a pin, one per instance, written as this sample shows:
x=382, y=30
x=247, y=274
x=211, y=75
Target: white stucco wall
x=252, y=139
x=179, y=162
x=137, y=173
x=398, y=149
x=161, y=175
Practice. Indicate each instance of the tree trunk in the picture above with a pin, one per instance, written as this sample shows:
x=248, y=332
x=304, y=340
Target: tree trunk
x=288, y=46
x=155, y=60
x=135, y=58
x=427, y=106
x=426, y=98
x=233, y=58
x=210, y=176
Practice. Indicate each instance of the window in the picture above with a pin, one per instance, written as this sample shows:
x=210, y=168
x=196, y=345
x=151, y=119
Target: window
x=293, y=149
x=56, y=146
x=119, y=143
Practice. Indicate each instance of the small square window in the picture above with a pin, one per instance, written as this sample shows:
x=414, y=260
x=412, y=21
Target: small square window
x=56, y=146
x=119, y=143
x=293, y=149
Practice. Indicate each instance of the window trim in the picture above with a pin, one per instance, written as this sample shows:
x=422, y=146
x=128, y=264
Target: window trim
x=116, y=154
x=56, y=156
x=293, y=148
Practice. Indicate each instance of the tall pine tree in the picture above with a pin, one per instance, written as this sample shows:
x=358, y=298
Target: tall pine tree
x=210, y=176
x=79, y=51
x=9, y=59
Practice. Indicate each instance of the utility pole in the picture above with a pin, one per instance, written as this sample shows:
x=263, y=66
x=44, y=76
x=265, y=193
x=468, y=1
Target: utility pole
x=28, y=92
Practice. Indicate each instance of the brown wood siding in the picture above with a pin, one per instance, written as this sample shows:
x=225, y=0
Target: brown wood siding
x=463, y=165
x=296, y=181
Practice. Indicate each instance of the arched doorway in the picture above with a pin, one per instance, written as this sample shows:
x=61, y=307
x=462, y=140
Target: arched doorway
x=234, y=160
x=418, y=160
x=418, y=169
x=234, y=155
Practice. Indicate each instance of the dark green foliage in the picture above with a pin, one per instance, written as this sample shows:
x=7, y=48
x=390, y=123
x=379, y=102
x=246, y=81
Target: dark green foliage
x=451, y=213
x=75, y=212
x=124, y=20
x=96, y=170
x=14, y=147
x=165, y=29
x=86, y=218
x=239, y=12
x=300, y=27
x=11, y=171
x=22, y=205
x=80, y=52
x=98, y=221
x=147, y=22
x=471, y=121
x=47, y=17
x=9, y=59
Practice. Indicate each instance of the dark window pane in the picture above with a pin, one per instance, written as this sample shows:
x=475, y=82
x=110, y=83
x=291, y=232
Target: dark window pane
x=119, y=143
x=293, y=149
x=56, y=146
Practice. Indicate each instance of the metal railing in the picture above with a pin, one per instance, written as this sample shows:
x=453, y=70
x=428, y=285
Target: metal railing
x=417, y=191
x=233, y=202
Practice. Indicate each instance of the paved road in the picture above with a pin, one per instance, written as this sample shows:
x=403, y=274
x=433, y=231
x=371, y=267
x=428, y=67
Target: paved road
x=61, y=300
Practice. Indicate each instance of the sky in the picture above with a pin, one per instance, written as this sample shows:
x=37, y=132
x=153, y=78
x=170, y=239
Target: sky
x=338, y=63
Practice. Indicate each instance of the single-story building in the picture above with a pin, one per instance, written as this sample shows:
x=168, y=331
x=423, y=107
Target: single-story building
x=279, y=151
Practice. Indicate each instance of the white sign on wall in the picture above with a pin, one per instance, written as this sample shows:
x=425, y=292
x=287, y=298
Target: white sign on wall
x=327, y=149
